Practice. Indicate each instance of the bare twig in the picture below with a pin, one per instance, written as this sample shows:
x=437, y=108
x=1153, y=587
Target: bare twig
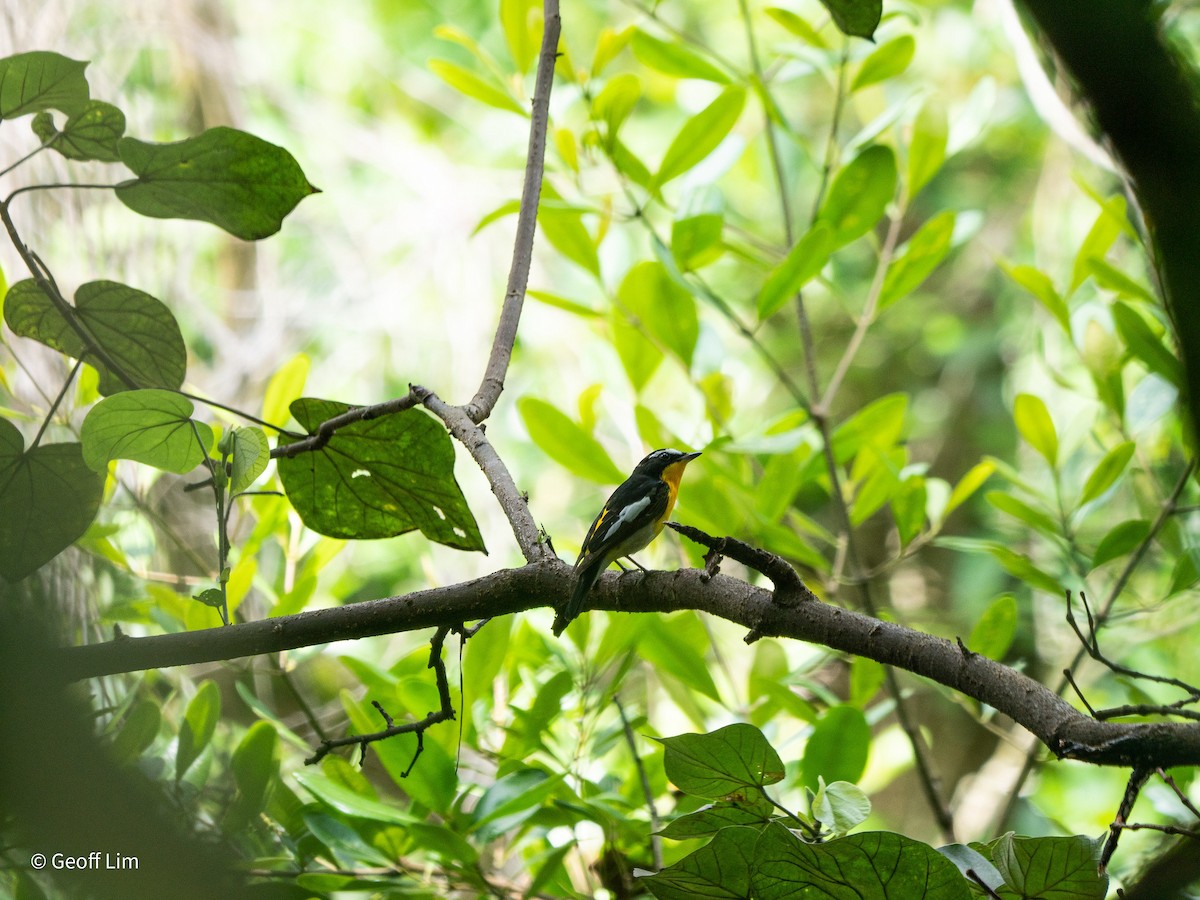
x=329, y=427
x=1137, y=779
x=647, y=791
x=485, y=398
x=419, y=727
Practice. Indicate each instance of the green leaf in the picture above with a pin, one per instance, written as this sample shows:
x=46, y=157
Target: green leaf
x=1107, y=471
x=615, y=102
x=466, y=82
x=138, y=731
x=152, y=427
x=609, y=45
x=721, y=868
x=286, y=385
x=346, y=801
x=663, y=307
x=856, y=18
x=677, y=60
x=1145, y=344
x=1039, y=284
x=1120, y=540
x=866, y=678
x=136, y=331
x=640, y=357
x=226, y=177
x=1107, y=276
x=994, y=632
x=860, y=193
x=48, y=498
x=1049, y=866
x=564, y=229
x=886, y=61
x=879, y=424
x=674, y=653
x=1021, y=566
x=802, y=263
x=696, y=240
x=925, y=251
x=869, y=866
x=199, y=724
x=1186, y=572
x=797, y=26
x=565, y=442
x=927, y=147
x=378, y=478
x=255, y=766
x=571, y=306
x=1038, y=519
x=909, y=501
x=1104, y=231
x=507, y=208
x=31, y=82
x=510, y=801
x=522, y=24
x=701, y=134
x=837, y=748
x=840, y=806
x=251, y=454
x=968, y=485
x=1036, y=427
x=722, y=763
x=92, y=133
x=710, y=819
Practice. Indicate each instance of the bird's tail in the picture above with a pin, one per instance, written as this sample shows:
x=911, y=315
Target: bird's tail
x=583, y=585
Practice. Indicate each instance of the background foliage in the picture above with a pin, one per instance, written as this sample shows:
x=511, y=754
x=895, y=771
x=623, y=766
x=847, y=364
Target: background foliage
x=989, y=354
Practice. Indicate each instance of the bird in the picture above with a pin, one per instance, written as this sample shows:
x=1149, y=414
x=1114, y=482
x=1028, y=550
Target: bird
x=631, y=518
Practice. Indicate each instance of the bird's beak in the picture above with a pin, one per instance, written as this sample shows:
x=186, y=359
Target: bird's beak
x=688, y=457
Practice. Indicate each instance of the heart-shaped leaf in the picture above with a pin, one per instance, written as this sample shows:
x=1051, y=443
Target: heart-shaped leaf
x=378, y=478
x=48, y=498
x=32, y=82
x=152, y=427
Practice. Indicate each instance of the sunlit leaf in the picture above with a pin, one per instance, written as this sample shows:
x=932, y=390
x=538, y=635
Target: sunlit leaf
x=886, y=61
x=521, y=21
x=1036, y=427
x=1104, y=231
x=968, y=485
x=837, y=748
x=616, y=101
x=152, y=427
x=1121, y=539
x=803, y=263
x=701, y=134
x=1107, y=471
x=639, y=355
x=662, y=306
x=925, y=251
x=696, y=240
x=250, y=456
x=675, y=59
x=722, y=763
x=378, y=478
x=1038, y=519
x=1039, y=284
x=840, y=805
x=226, y=177
x=860, y=193
x=286, y=385
x=927, y=147
x=1146, y=345
x=565, y=442
x=468, y=83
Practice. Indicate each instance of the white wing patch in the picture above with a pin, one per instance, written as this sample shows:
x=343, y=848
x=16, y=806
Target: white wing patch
x=630, y=512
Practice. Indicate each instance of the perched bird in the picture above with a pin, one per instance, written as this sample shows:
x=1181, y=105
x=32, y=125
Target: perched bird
x=633, y=517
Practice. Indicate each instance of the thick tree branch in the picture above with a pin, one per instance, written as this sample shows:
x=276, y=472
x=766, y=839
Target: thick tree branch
x=1063, y=729
x=485, y=398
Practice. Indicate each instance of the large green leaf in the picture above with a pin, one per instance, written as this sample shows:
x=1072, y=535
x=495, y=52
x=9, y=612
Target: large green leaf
x=994, y=632
x=868, y=866
x=231, y=179
x=489, y=91
x=255, y=766
x=199, y=723
x=802, y=263
x=565, y=442
x=675, y=59
x=925, y=251
x=837, y=748
x=92, y=133
x=721, y=868
x=48, y=498
x=886, y=61
x=663, y=307
x=32, y=82
x=136, y=331
x=860, y=194
x=1048, y=866
x=696, y=240
x=378, y=478
x=1035, y=425
x=152, y=427
x=701, y=134
x=721, y=763
x=1146, y=344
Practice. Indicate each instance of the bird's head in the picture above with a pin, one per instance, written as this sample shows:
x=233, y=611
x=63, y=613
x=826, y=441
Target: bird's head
x=666, y=464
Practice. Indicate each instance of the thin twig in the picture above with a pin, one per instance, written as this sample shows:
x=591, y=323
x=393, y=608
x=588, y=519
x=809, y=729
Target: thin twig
x=55, y=404
x=647, y=791
x=485, y=398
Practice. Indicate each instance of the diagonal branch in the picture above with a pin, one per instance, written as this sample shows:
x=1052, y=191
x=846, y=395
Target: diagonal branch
x=485, y=398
